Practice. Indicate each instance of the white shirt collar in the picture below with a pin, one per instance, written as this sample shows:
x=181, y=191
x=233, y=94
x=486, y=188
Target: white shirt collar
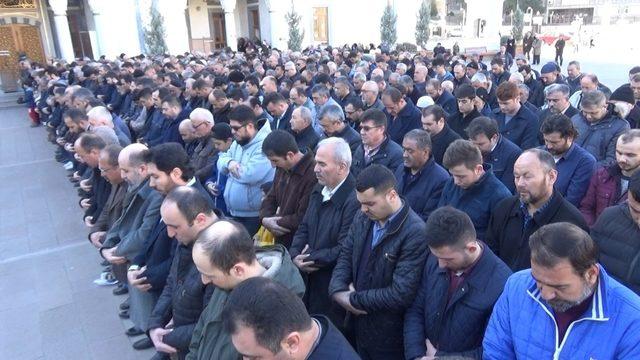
x=327, y=193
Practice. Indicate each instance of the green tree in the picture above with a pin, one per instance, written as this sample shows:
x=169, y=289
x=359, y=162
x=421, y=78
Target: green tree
x=154, y=34
x=422, y=24
x=518, y=25
x=388, y=35
x=295, y=34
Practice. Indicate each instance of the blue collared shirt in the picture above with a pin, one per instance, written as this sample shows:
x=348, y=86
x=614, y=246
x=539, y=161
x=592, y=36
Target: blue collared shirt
x=525, y=212
x=379, y=230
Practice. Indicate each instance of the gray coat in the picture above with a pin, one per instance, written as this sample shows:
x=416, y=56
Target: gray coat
x=600, y=138
x=140, y=215
x=204, y=154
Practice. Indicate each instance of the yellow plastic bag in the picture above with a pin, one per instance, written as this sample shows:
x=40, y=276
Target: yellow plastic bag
x=263, y=237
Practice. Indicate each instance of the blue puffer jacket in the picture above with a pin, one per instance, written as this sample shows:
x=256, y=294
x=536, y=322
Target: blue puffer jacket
x=478, y=201
x=242, y=194
x=522, y=325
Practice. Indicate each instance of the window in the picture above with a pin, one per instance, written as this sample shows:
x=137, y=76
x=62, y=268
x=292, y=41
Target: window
x=321, y=24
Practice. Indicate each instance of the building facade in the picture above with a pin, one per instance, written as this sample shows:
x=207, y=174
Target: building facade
x=70, y=29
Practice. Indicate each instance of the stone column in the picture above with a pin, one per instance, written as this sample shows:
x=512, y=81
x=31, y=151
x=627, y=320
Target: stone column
x=61, y=23
x=229, y=7
x=100, y=16
x=278, y=24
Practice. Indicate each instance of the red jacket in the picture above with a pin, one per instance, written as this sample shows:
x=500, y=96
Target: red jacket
x=604, y=191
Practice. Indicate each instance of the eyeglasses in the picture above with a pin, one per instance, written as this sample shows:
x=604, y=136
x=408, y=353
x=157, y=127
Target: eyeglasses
x=106, y=170
x=197, y=126
x=368, y=128
x=553, y=100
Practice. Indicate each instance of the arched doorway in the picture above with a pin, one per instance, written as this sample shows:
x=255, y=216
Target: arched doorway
x=18, y=36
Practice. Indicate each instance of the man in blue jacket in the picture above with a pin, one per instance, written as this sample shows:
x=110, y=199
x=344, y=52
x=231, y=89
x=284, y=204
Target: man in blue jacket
x=421, y=179
x=378, y=270
x=460, y=271
x=565, y=307
x=517, y=123
x=574, y=164
x=496, y=150
x=598, y=127
x=473, y=188
x=247, y=167
x=441, y=96
x=402, y=116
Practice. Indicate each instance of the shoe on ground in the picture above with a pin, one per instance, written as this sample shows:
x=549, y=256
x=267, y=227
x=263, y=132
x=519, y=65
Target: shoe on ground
x=133, y=331
x=124, y=314
x=120, y=290
x=68, y=165
x=33, y=125
x=105, y=263
x=105, y=279
x=142, y=344
x=124, y=305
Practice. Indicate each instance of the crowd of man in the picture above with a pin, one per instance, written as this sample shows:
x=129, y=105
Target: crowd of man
x=355, y=203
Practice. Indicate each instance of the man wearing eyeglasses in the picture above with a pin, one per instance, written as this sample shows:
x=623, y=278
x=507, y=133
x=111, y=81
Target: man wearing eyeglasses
x=109, y=170
x=247, y=167
x=205, y=151
x=376, y=147
x=557, y=100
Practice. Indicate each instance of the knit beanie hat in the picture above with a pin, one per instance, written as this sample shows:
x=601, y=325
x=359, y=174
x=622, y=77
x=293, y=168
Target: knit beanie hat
x=623, y=93
x=549, y=68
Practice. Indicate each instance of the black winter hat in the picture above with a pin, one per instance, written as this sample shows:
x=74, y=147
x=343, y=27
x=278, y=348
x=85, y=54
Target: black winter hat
x=623, y=93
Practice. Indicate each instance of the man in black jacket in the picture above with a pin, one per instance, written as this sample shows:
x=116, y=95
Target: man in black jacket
x=376, y=147
x=332, y=122
x=302, y=129
x=536, y=204
x=617, y=232
x=378, y=270
x=465, y=95
x=459, y=271
x=316, y=244
x=434, y=121
x=185, y=212
x=421, y=179
x=287, y=329
x=496, y=150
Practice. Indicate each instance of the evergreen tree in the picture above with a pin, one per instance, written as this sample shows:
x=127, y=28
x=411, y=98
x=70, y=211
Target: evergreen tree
x=388, y=35
x=422, y=24
x=295, y=35
x=518, y=25
x=154, y=34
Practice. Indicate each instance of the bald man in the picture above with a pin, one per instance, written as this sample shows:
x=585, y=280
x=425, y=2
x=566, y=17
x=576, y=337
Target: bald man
x=420, y=77
x=188, y=134
x=126, y=237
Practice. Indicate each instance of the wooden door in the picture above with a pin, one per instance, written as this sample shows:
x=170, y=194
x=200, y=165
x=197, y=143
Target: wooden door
x=254, y=17
x=218, y=30
x=14, y=41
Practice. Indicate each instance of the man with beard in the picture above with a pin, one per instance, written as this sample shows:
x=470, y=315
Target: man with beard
x=566, y=305
x=536, y=204
x=247, y=167
x=459, y=271
x=574, y=164
x=609, y=184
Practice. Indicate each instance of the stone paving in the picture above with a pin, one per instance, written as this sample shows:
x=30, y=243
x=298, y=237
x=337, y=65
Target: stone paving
x=49, y=306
